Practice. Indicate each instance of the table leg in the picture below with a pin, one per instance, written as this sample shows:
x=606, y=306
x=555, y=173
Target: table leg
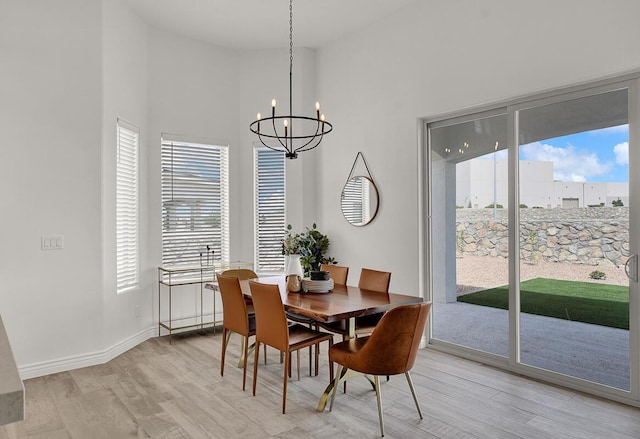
x=351, y=328
x=345, y=375
x=250, y=350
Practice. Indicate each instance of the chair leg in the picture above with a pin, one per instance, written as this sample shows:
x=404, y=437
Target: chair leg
x=298, y=363
x=376, y=379
x=310, y=352
x=287, y=360
x=245, y=347
x=413, y=392
x=255, y=366
x=344, y=390
x=330, y=362
x=335, y=385
x=318, y=360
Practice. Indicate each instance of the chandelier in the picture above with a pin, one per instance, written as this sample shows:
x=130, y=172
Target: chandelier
x=277, y=132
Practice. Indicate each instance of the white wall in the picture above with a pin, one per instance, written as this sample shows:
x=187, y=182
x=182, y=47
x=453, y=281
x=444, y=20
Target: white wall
x=50, y=177
x=125, y=74
x=435, y=57
x=595, y=193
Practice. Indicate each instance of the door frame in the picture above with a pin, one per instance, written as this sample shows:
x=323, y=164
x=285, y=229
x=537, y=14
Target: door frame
x=632, y=83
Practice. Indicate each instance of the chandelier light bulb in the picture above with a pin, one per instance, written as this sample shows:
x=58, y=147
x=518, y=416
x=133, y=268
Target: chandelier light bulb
x=273, y=103
x=322, y=117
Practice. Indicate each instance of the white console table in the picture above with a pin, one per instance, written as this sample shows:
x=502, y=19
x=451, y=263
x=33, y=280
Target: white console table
x=11, y=387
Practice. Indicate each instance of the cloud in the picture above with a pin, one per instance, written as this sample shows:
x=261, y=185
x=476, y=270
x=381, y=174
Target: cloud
x=620, y=129
x=621, y=150
x=569, y=164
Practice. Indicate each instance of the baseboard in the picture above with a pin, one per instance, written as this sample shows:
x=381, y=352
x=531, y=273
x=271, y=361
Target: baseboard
x=35, y=370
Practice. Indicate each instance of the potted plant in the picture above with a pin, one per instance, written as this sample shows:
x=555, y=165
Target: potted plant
x=311, y=245
x=291, y=242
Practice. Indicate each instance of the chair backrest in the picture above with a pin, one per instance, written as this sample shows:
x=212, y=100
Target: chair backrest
x=271, y=322
x=234, y=316
x=240, y=273
x=336, y=272
x=374, y=280
x=392, y=347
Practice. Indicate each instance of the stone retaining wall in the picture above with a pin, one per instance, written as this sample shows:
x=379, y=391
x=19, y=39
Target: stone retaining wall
x=589, y=236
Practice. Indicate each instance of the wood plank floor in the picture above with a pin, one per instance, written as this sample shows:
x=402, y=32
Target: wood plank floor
x=175, y=391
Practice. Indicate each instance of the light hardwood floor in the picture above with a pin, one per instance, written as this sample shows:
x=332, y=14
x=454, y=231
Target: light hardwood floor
x=175, y=391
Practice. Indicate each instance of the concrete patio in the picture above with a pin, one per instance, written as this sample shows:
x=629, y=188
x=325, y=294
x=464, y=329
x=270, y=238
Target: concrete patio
x=595, y=353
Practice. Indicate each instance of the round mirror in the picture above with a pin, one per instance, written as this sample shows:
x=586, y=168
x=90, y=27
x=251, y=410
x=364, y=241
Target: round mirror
x=359, y=201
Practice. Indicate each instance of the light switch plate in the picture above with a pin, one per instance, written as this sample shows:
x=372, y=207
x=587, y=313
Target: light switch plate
x=52, y=242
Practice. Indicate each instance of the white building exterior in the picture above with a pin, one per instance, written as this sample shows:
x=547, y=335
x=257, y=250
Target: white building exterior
x=480, y=181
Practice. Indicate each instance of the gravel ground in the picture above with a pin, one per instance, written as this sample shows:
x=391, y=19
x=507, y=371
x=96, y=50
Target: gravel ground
x=479, y=272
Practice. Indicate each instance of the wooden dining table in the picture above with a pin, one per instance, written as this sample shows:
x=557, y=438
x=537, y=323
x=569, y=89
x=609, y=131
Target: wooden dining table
x=343, y=302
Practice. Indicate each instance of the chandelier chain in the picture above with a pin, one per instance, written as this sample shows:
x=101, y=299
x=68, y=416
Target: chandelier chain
x=290, y=36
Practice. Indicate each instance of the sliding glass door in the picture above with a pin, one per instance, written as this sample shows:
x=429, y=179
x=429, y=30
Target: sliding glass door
x=531, y=226
x=470, y=229
x=574, y=198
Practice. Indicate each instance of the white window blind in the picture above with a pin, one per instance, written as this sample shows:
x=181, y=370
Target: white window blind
x=269, y=209
x=127, y=237
x=195, y=202
x=355, y=201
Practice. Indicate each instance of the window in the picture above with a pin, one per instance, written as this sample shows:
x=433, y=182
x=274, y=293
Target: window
x=269, y=209
x=195, y=202
x=127, y=239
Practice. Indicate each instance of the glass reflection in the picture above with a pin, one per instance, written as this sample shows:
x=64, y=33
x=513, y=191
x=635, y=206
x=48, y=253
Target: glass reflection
x=359, y=201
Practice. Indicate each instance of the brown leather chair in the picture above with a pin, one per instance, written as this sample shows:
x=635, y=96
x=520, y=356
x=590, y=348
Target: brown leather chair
x=338, y=273
x=242, y=274
x=273, y=330
x=235, y=319
x=373, y=280
x=390, y=350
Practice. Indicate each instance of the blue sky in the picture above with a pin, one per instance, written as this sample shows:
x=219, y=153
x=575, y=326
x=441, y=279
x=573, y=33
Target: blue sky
x=599, y=155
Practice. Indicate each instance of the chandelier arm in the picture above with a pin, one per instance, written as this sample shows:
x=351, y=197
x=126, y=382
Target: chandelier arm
x=309, y=148
x=278, y=136
x=315, y=136
x=270, y=147
x=253, y=127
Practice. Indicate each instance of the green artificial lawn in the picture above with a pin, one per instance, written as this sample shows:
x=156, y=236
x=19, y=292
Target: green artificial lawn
x=600, y=304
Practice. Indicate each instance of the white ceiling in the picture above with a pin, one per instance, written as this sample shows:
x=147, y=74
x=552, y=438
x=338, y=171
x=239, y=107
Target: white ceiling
x=260, y=24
